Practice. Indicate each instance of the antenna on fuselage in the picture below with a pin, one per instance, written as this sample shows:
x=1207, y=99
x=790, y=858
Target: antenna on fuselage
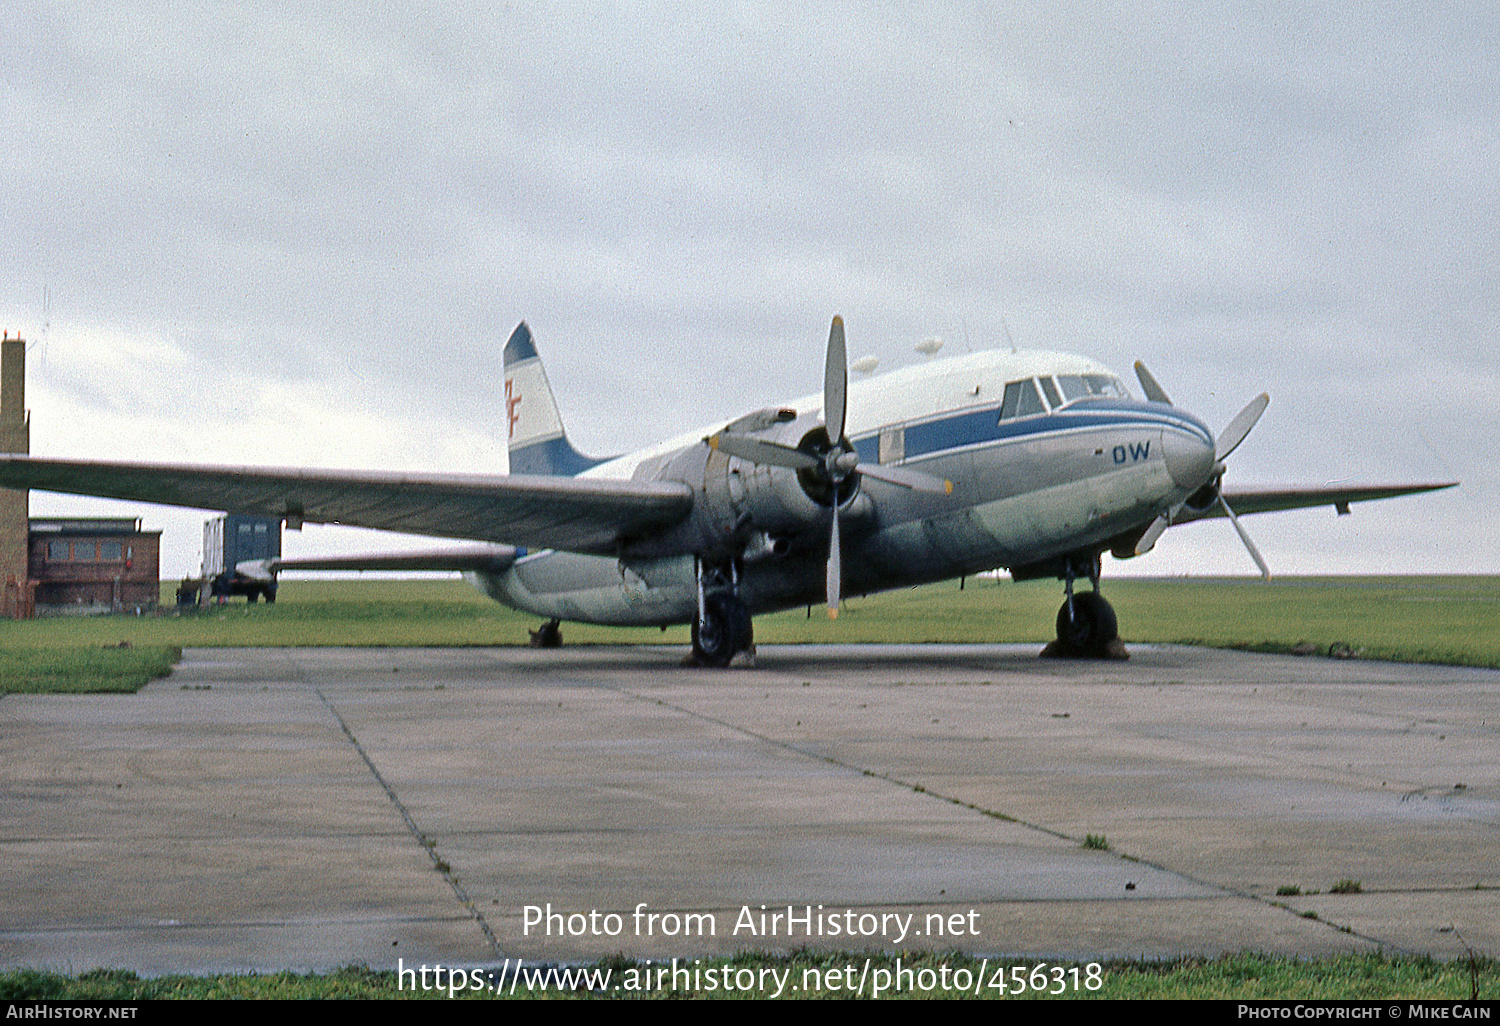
x=1009, y=341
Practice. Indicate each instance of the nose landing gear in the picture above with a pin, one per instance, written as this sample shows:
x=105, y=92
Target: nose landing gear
x=1086, y=623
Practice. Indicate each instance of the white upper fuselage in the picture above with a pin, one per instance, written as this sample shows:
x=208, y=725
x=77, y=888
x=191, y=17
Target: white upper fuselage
x=911, y=393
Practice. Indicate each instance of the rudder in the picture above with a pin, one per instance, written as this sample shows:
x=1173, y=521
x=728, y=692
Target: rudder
x=536, y=439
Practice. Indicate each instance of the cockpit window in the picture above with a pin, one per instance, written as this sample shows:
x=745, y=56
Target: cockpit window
x=1021, y=400
x=1081, y=386
x=1050, y=391
x=1072, y=386
x=1104, y=384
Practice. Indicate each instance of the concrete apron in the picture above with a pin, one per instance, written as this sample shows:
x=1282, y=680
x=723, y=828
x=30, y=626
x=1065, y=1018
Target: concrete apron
x=312, y=808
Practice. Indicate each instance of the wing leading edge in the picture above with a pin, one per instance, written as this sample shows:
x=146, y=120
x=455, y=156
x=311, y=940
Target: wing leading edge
x=590, y=515
x=1267, y=500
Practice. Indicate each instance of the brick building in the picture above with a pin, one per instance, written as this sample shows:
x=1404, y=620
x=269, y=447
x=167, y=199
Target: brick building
x=94, y=565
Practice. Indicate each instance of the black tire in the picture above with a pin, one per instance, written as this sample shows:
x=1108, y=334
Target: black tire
x=548, y=635
x=725, y=630
x=1092, y=627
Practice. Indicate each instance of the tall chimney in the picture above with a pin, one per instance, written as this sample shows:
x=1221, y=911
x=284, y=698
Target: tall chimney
x=15, y=437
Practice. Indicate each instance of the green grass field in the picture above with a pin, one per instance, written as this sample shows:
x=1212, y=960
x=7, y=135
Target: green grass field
x=1419, y=619
x=1231, y=977
x=79, y=670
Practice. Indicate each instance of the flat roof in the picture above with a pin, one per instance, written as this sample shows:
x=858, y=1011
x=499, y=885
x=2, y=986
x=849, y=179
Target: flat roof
x=87, y=525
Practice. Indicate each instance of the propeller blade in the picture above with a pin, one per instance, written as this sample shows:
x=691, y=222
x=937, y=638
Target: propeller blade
x=835, y=382
x=1265, y=571
x=1148, y=540
x=1239, y=427
x=759, y=451
x=900, y=476
x=1154, y=392
x=835, y=570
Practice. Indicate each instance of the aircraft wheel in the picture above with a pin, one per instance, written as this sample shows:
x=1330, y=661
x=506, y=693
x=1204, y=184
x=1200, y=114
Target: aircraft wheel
x=548, y=635
x=1092, y=627
x=724, y=631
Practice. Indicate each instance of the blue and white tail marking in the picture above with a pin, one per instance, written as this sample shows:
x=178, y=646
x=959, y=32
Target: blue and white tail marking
x=534, y=429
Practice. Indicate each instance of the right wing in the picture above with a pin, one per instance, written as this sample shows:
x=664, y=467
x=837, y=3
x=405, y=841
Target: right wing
x=591, y=515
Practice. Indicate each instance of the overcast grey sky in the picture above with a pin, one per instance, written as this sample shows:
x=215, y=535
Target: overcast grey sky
x=299, y=233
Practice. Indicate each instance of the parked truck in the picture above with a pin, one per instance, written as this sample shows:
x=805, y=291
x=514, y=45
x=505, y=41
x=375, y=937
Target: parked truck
x=231, y=540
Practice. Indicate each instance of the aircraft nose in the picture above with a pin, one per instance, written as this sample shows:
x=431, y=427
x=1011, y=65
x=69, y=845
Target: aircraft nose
x=1189, y=457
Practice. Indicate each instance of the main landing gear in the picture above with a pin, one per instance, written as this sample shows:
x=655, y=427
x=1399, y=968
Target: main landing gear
x=723, y=629
x=1086, y=624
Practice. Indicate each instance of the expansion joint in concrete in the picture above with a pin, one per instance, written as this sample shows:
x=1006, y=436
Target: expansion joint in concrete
x=426, y=843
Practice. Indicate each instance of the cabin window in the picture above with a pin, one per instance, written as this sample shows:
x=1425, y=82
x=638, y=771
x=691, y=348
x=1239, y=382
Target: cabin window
x=892, y=445
x=1021, y=400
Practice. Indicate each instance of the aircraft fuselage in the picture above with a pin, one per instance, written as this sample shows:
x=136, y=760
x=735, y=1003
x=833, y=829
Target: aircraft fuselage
x=1048, y=454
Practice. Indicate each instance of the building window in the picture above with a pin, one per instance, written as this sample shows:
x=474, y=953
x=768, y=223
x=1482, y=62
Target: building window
x=110, y=552
x=57, y=551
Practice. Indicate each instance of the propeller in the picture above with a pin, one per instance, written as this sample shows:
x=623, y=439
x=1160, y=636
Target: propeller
x=1265, y=571
x=1239, y=427
x=1228, y=441
x=835, y=462
x=1153, y=391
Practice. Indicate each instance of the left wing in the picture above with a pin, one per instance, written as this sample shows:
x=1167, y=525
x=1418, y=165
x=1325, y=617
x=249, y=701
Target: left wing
x=591, y=515
x=1266, y=500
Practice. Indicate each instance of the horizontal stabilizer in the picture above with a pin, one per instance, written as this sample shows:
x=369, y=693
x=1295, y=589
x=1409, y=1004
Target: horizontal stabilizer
x=491, y=558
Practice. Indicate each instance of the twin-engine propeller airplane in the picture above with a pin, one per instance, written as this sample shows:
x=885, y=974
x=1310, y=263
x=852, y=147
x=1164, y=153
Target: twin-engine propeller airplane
x=1035, y=462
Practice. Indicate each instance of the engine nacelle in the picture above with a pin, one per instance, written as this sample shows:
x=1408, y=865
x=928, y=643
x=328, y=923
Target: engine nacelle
x=1205, y=498
x=753, y=510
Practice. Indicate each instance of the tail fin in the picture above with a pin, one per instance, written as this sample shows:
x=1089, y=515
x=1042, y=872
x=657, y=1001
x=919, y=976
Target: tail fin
x=538, y=443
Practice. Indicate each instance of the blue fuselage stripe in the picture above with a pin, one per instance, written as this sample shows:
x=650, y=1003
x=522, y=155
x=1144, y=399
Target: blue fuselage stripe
x=977, y=427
